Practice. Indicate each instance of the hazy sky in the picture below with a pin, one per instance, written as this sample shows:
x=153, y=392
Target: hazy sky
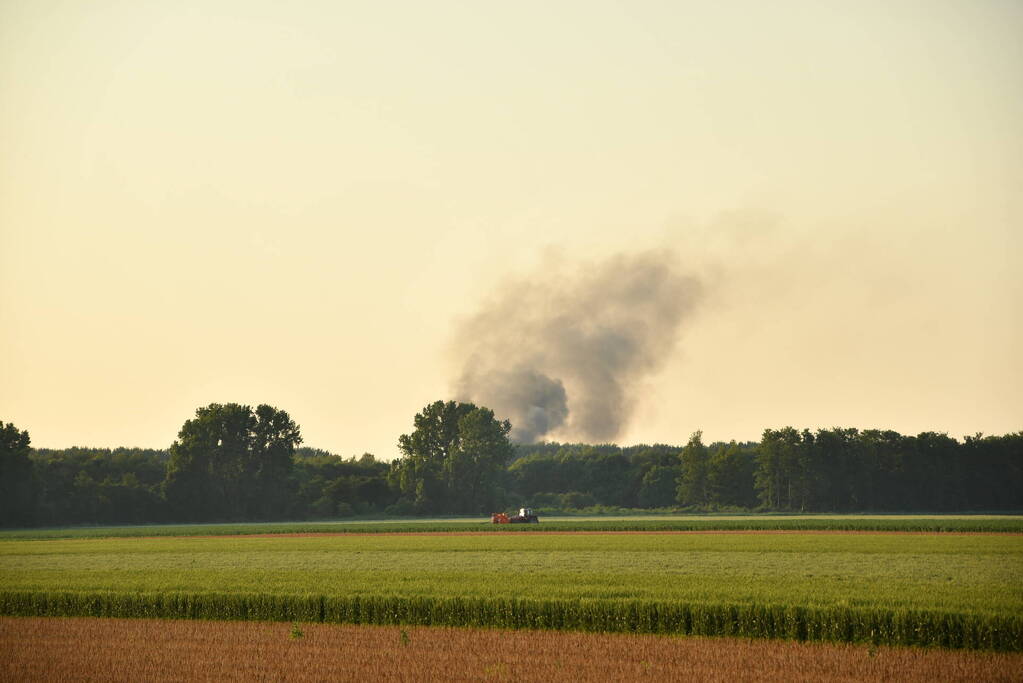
x=299, y=203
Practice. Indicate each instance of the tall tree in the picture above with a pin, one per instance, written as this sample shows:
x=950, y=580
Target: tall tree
x=777, y=467
x=17, y=487
x=274, y=438
x=453, y=459
x=477, y=461
x=231, y=463
x=731, y=476
x=694, y=482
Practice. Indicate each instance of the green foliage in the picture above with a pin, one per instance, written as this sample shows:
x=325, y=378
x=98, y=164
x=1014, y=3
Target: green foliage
x=946, y=590
x=731, y=476
x=777, y=463
x=231, y=462
x=836, y=624
x=573, y=500
x=220, y=473
x=329, y=486
x=614, y=476
x=125, y=485
x=659, y=486
x=827, y=470
x=453, y=460
x=99, y=485
x=17, y=486
x=949, y=572
x=694, y=483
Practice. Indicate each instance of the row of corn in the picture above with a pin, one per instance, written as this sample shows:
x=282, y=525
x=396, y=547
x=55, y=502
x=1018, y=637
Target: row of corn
x=836, y=624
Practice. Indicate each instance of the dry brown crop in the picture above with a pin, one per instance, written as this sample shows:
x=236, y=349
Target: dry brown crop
x=64, y=649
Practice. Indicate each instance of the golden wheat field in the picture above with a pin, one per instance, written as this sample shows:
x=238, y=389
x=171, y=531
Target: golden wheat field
x=74, y=649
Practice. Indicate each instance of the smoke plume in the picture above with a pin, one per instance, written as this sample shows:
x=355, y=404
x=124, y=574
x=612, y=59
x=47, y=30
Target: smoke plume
x=561, y=353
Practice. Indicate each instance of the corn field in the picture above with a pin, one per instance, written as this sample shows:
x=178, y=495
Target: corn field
x=826, y=624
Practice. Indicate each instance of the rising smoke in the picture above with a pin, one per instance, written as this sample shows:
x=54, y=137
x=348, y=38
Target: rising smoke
x=561, y=353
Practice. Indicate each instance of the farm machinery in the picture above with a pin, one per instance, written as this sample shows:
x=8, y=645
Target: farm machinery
x=525, y=516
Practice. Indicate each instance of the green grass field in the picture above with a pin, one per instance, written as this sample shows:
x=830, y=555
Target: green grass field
x=945, y=572
x=956, y=590
x=708, y=522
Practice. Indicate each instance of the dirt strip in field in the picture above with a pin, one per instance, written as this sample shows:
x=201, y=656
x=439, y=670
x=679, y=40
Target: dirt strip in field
x=65, y=649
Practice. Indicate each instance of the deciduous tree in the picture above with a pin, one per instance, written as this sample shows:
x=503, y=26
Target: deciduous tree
x=231, y=462
x=694, y=482
x=17, y=487
x=454, y=458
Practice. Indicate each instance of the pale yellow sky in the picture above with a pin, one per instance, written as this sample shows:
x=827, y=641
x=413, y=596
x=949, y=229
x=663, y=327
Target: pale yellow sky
x=297, y=203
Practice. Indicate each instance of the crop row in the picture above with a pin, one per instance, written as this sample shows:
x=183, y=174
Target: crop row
x=834, y=623
x=1008, y=524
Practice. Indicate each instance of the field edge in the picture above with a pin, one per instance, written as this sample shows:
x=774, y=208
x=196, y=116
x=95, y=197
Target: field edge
x=1009, y=524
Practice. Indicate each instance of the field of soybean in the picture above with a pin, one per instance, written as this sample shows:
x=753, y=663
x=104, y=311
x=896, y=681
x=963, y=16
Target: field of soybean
x=954, y=590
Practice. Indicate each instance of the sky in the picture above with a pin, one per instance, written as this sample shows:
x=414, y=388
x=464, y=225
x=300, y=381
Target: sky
x=305, y=204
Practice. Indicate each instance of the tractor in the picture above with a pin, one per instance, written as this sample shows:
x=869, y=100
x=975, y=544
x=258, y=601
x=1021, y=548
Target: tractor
x=525, y=516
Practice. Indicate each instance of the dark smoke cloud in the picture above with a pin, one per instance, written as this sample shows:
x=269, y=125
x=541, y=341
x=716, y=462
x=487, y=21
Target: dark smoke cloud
x=562, y=352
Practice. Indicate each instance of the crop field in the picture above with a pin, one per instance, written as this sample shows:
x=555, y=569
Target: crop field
x=951, y=590
x=152, y=650
x=705, y=522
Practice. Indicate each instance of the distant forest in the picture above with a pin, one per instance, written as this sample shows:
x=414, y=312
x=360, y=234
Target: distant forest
x=233, y=463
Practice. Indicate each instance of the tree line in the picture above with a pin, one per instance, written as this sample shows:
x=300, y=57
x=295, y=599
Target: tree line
x=229, y=463
x=235, y=463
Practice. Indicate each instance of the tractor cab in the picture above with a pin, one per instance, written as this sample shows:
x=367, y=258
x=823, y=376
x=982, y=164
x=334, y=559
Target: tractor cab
x=525, y=516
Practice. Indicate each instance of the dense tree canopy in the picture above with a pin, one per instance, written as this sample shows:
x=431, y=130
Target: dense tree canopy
x=100, y=485
x=453, y=460
x=17, y=488
x=328, y=486
x=231, y=462
x=694, y=483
